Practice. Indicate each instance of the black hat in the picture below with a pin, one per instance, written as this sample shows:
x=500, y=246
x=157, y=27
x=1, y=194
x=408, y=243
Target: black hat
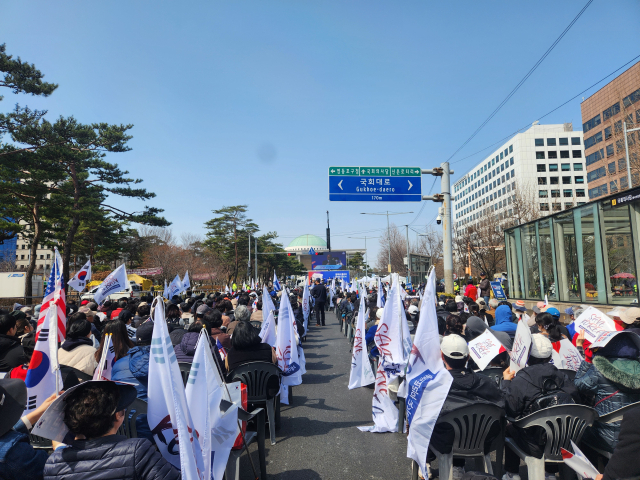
x=13, y=399
x=144, y=333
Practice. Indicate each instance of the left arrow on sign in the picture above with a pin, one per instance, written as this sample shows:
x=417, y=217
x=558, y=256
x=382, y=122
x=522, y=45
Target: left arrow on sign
x=410, y=185
x=340, y=184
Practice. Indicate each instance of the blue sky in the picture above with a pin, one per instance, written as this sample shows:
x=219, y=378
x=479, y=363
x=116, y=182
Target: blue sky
x=250, y=102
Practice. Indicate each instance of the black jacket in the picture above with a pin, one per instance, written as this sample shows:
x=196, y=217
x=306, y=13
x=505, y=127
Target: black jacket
x=319, y=292
x=527, y=385
x=628, y=447
x=485, y=288
x=470, y=388
x=11, y=353
x=110, y=457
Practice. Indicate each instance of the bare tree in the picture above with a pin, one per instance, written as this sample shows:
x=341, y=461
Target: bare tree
x=398, y=244
x=430, y=243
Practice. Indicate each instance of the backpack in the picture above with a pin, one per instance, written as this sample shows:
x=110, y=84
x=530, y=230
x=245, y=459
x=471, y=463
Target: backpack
x=550, y=395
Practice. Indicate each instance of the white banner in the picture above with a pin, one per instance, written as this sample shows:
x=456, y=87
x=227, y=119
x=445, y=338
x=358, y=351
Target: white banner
x=521, y=346
x=594, y=322
x=361, y=373
x=268, y=330
x=565, y=356
x=579, y=462
x=175, y=287
x=107, y=360
x=267, y=303
x=484, y=348
x=168, y=414
x=306, y=306
x=186, y=284
x=428, y=381
x=286, y=345
x=115, y=282
x=80, y=280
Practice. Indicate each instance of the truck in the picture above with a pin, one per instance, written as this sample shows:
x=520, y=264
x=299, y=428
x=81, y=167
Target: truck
x=12, y=285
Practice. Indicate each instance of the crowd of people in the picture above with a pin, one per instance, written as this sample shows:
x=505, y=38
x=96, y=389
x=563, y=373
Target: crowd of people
x=607, y=379
x=94, y=411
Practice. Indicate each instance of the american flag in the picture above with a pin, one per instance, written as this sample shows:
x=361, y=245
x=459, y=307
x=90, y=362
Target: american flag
x=221, y=350
x=54, y=297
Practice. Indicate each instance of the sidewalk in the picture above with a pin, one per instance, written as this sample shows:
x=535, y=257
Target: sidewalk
x=319, y=438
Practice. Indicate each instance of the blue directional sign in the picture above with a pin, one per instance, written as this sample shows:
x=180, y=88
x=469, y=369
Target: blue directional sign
x=312, y=251
x=375, y=184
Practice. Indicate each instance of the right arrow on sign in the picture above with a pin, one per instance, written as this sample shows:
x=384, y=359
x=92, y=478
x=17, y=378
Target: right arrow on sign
x=410, y=184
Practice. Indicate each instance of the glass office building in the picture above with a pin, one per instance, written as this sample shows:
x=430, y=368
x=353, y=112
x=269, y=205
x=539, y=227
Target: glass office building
x=587, y=254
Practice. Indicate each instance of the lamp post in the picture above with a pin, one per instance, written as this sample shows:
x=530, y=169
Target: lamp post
x=626, y=150
x=387, y=213
x=366, y=253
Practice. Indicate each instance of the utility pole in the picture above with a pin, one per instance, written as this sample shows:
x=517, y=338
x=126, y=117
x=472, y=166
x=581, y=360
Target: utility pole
x=626, y=149
x=408, y=266
x=328, y=233
x=447, y=234
x=249, y=262
x=255, y=256
x=387, y=213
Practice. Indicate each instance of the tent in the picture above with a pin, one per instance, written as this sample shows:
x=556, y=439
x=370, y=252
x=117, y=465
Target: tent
x=145, y=283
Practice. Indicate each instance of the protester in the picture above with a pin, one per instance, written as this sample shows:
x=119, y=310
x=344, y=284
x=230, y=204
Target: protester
x=242, y=314
x=468, y=388
x=18, y=459
x=186, y=349
x=371, y=333
x=134, y=366
x=120, y=340
x=628, y=447
x=122, y=304
x=77, y=350
x=247, y=346
x=94, y=412
x=213, y=321
x=485, y=287
x=142, y=314
x=483, y=312
x=504, y=321
x=257, y=313
x=611, y=382
x=471, y=291
x=319, y=293
x=537, y=385
x=11, y=352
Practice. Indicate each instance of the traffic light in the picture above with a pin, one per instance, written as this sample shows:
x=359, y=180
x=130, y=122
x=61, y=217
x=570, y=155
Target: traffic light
x=317, y=253
x=289, y=254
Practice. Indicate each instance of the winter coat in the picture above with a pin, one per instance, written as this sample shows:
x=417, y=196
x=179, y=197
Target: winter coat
x=78, y=353
x=470, y=388
x=471, y=291
x=369, y=338
x=187, y=347
x=319, y=292
x=608, y=384
x=11, y=352
x=218, y=335
x=504, y=321
x=485, y=288
x=134, y=368
x=18, y=459
x=628, y=447
x=256, y=316
x=110, y=457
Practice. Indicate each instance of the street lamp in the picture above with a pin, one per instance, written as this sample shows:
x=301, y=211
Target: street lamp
x=366, y=254
x=388, y=229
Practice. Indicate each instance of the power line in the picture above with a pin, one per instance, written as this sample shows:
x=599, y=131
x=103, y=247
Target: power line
x=524, y=79
x=551, y=111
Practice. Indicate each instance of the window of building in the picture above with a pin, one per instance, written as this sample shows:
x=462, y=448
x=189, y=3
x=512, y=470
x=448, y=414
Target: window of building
x=617, y=126
x=589, y=124
x=539, y=142
x=624, y=182
x=542, y=167
x=592, y=140
x=596, y=174
x=543, y=193
x=579, y=179
x=544, y=207
x=542, y=180
x=575, y=140
x=595, y=157
x=21, y=257
x=513, y=173
x=607, y=133
x=576, y=153
x=609, y=149
x=502, y=167
x=557, y=207
x=619, y=146
x=555, y=193
x=552, y=154
x=554, y=180
x=631, y=99
x=551, y=142
x=510, y=148
x=567, y=193
x=493, y=162
x=540, y=155
x=564, y=153
x=577, y=167
x=638, y=116
x=622, y=163
x=566, y=167
x=553, y=167
x=501, y=155
x=613, y=186
x=23, y=246
x=508, y=175
x=48, y=256
x=579, y=192
x=611, y=111
x=563, y=141
x=566, y=180
x=612, y=168
x=568, y=205
x=41, y=257
x=511, y=159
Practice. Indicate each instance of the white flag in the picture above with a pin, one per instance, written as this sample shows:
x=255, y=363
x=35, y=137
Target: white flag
x=484, y=348
x=286, y=345
x=175, y=287
x=165, y=292
x=521, y=345
x=253, y=285
x=361, y=372
x=204, y=390
x=267, y=303
x=594, y=322
x=565, y=356
x=380, y=300
x=428, y=381
x=268, y=330
x=276, y=283
x=79, y=282
x=306, y=307
x=186, y=284
x=107, y=360
x=115, y=282
x=168, y=414
x=579, y=462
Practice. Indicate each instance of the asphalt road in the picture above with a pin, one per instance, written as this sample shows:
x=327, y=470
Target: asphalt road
x=319, y=438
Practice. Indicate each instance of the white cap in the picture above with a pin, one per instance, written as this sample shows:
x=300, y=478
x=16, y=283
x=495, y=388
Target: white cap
x=379, y=312
x=454, y=346
x=540, y=346
x=458, y=298
x=412, y=309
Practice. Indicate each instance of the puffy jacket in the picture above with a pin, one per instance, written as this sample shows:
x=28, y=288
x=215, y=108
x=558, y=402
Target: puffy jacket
x=608, y=384
x=78, y=353
x=187, y=347
x=11, y=353
x=134, y=368
x=110, y=457
x=471, y=291
x=504, y=321
x=18, y=459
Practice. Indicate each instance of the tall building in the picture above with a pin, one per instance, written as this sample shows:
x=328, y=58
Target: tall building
x=603, y=114
x=542, y=167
